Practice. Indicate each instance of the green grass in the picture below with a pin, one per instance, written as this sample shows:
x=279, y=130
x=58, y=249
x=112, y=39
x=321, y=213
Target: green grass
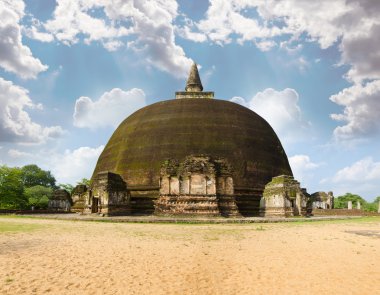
x=11, y=227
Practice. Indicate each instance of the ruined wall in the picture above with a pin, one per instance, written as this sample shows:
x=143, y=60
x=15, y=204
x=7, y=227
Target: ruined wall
x=200, y=185
x=283, y=197
x=108, y=195
x=322, y=200
x=78, y=197
x=61, y=201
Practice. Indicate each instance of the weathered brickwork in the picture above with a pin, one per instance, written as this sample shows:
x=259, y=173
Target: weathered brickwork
x=200, y=185
x=283, y=197
x=108, y=195
x=61, y=201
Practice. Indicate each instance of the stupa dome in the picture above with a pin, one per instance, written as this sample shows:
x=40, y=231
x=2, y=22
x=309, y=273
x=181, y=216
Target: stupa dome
x=195, y=124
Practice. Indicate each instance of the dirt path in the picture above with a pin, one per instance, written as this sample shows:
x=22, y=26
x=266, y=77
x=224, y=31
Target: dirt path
x=67, y=257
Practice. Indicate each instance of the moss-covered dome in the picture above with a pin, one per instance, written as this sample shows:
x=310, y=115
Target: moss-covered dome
x=174, y=129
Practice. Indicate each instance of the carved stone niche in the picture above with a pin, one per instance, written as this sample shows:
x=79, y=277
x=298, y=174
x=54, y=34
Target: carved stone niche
x=199, y=185
x=283, y=197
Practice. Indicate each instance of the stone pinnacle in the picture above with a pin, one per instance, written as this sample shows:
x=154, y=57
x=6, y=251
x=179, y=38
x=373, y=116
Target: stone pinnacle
x=194, y=83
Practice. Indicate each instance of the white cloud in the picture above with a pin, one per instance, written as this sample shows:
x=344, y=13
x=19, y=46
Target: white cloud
x=13, y=153
x=354, y=25
x=33, y=33
x=68, y=166
x=14, y=56
x=15, y=123
x=361, y=171
x=109, y=110
x=280, y=109
x=362, y=178
x=74, y=165
x=147, y=24
x=303, y=168
x=361, y=111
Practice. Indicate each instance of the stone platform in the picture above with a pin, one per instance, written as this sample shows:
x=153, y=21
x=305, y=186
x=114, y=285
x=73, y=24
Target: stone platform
x=190, y=220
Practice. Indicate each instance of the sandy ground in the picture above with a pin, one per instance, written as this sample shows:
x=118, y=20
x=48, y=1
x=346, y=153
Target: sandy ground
x=68, y=257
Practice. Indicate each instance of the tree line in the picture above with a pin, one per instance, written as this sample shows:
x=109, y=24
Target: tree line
x=342, y=201
x=28, y=186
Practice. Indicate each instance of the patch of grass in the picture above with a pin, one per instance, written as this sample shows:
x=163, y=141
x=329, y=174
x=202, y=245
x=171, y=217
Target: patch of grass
x=8, y=280
x=260, y=228
x=9, y=227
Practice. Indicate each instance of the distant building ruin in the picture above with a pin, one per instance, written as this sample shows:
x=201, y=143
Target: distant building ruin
x=61, y=201
x=322, y=200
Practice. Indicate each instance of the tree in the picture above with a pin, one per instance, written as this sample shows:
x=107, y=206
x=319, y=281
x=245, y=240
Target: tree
x=12, y=188
x=341, y=201
x=84, y=181
x=38, y=196
x=33, y=175
x=66, y=186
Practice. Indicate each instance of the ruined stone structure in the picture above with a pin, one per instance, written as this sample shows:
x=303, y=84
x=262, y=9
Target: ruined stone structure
x=108, y=195
x=322, y=200
x=283, y=197
x=192, y=124
x=61, y=201
x=200, y=185
x=78, y=196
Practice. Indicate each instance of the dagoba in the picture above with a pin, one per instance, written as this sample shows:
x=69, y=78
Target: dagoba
x=193, y=155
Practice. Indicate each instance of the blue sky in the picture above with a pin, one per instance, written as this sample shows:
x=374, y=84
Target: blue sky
x=71, y=71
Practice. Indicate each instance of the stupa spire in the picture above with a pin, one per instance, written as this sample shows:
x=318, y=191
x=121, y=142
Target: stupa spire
x=194, y=88
x=194, y=83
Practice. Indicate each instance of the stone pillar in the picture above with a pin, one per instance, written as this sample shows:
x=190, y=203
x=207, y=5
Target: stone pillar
x=174, y=185
x=210, y=186
x=220, y=185
x=358, y=205
x=378, y=209
x=229, y=188
x=165, y=185
x=349, y=205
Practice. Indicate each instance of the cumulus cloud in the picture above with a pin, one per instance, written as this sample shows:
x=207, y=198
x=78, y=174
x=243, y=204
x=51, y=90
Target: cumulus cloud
x=73, y=165
x=363, y=170
x=109, y=110
x=147, y=24
x=280, y=109
x=15, y=122
x=353, y=25
x=361, y=111
x=68, y=166
x=362, y=177
x=13, y=153
x=14, y=56
x=303, y=168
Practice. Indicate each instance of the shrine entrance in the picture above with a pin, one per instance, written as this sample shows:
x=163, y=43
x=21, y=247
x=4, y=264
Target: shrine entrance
x=94, y=205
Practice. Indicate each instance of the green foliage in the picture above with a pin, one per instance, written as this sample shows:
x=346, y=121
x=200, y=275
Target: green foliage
x=12, y=189
x=66, y=186
x=33, y=175
x=341, y=202
x=38, y=196
x=84, y=181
